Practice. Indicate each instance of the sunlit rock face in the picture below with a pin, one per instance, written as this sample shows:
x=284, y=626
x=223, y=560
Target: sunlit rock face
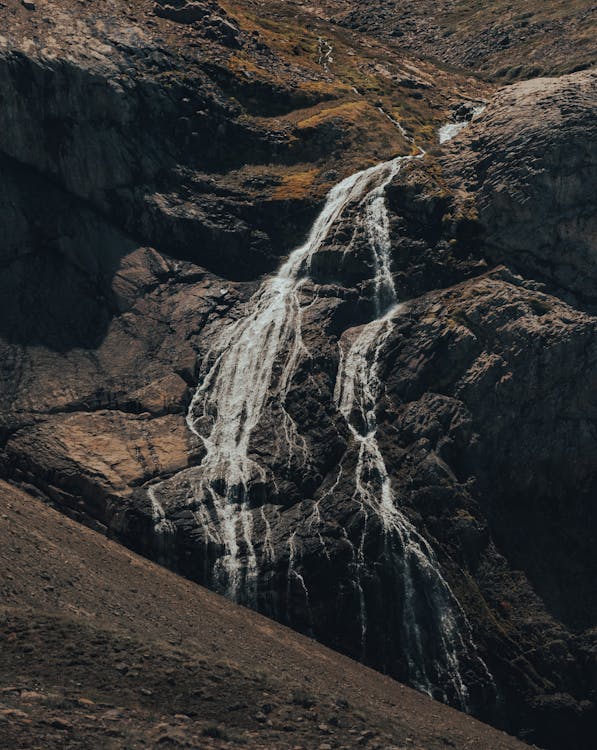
x=532, y=167
x=385, y=438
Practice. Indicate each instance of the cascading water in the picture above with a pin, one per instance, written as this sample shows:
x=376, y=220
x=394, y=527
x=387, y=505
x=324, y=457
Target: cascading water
x=356, y=394
x=249, y=371
x=251, y=364
x=324, y=57
x=451, y=129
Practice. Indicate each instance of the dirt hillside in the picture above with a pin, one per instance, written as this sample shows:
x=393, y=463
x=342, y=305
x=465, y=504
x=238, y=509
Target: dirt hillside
x=103, y=649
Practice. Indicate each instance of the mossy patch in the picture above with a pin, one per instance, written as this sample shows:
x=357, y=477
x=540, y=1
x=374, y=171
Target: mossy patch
x=296, y=185
x=349, y=111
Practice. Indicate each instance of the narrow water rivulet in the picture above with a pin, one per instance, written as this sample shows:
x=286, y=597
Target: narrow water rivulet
x=425, y=593
x=253, y=362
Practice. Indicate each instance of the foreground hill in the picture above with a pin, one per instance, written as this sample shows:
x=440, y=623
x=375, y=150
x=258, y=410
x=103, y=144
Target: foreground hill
x=103, y=649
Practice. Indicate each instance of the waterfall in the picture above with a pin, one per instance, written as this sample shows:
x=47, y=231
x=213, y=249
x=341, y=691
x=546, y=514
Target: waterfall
x=357, y=394
x=424, y=590
x=324, y=54
x=451, y=129
x=252, y=364
x=248, y=372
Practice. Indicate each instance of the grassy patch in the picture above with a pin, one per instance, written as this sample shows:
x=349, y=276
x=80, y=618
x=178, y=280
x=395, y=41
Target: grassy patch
x=296, y=185
x=350, y=111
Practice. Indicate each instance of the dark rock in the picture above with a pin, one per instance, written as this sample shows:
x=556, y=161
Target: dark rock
x=182, y=11
x=529, y=166
x=224, y=31
x=215, y=23
x=63, y=724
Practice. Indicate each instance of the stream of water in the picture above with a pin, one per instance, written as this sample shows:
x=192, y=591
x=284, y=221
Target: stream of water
x=251, y=366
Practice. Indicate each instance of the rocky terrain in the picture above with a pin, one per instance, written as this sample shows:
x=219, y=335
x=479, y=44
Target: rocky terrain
x=503, y=40
x=103, y=649
x=379, y=433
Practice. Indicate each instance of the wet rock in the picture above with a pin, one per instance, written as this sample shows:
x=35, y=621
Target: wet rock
x=484, y=379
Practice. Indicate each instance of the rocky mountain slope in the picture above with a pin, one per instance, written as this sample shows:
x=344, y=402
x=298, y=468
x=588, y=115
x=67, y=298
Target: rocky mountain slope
x=103, y=649
x=366, y=440
x=503, y=40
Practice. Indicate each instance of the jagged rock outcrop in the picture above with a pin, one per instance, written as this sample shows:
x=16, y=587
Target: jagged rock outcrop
x=214, y=21
x=131, y=272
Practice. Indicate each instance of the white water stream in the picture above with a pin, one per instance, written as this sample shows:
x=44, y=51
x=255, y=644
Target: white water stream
x=451, y=129
x=357, y=392
x=250, y=368
x=252, y=364
x=324, y=54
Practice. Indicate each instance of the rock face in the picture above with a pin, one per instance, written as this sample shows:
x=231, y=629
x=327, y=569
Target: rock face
x=214, y=22
x=535, y=160
x=105, y=128
x=389, y=441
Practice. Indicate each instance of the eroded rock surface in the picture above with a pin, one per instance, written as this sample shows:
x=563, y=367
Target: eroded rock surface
x=130, y=258
x=532, y=168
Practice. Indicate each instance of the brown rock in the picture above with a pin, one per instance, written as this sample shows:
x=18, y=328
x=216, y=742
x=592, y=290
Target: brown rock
x=60, y=723
x=12, y=714
x=528, y=163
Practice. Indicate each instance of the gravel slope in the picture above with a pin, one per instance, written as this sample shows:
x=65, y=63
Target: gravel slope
x=103, y=649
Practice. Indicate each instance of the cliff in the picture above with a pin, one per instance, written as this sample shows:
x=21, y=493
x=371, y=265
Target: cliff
x=407, y=391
